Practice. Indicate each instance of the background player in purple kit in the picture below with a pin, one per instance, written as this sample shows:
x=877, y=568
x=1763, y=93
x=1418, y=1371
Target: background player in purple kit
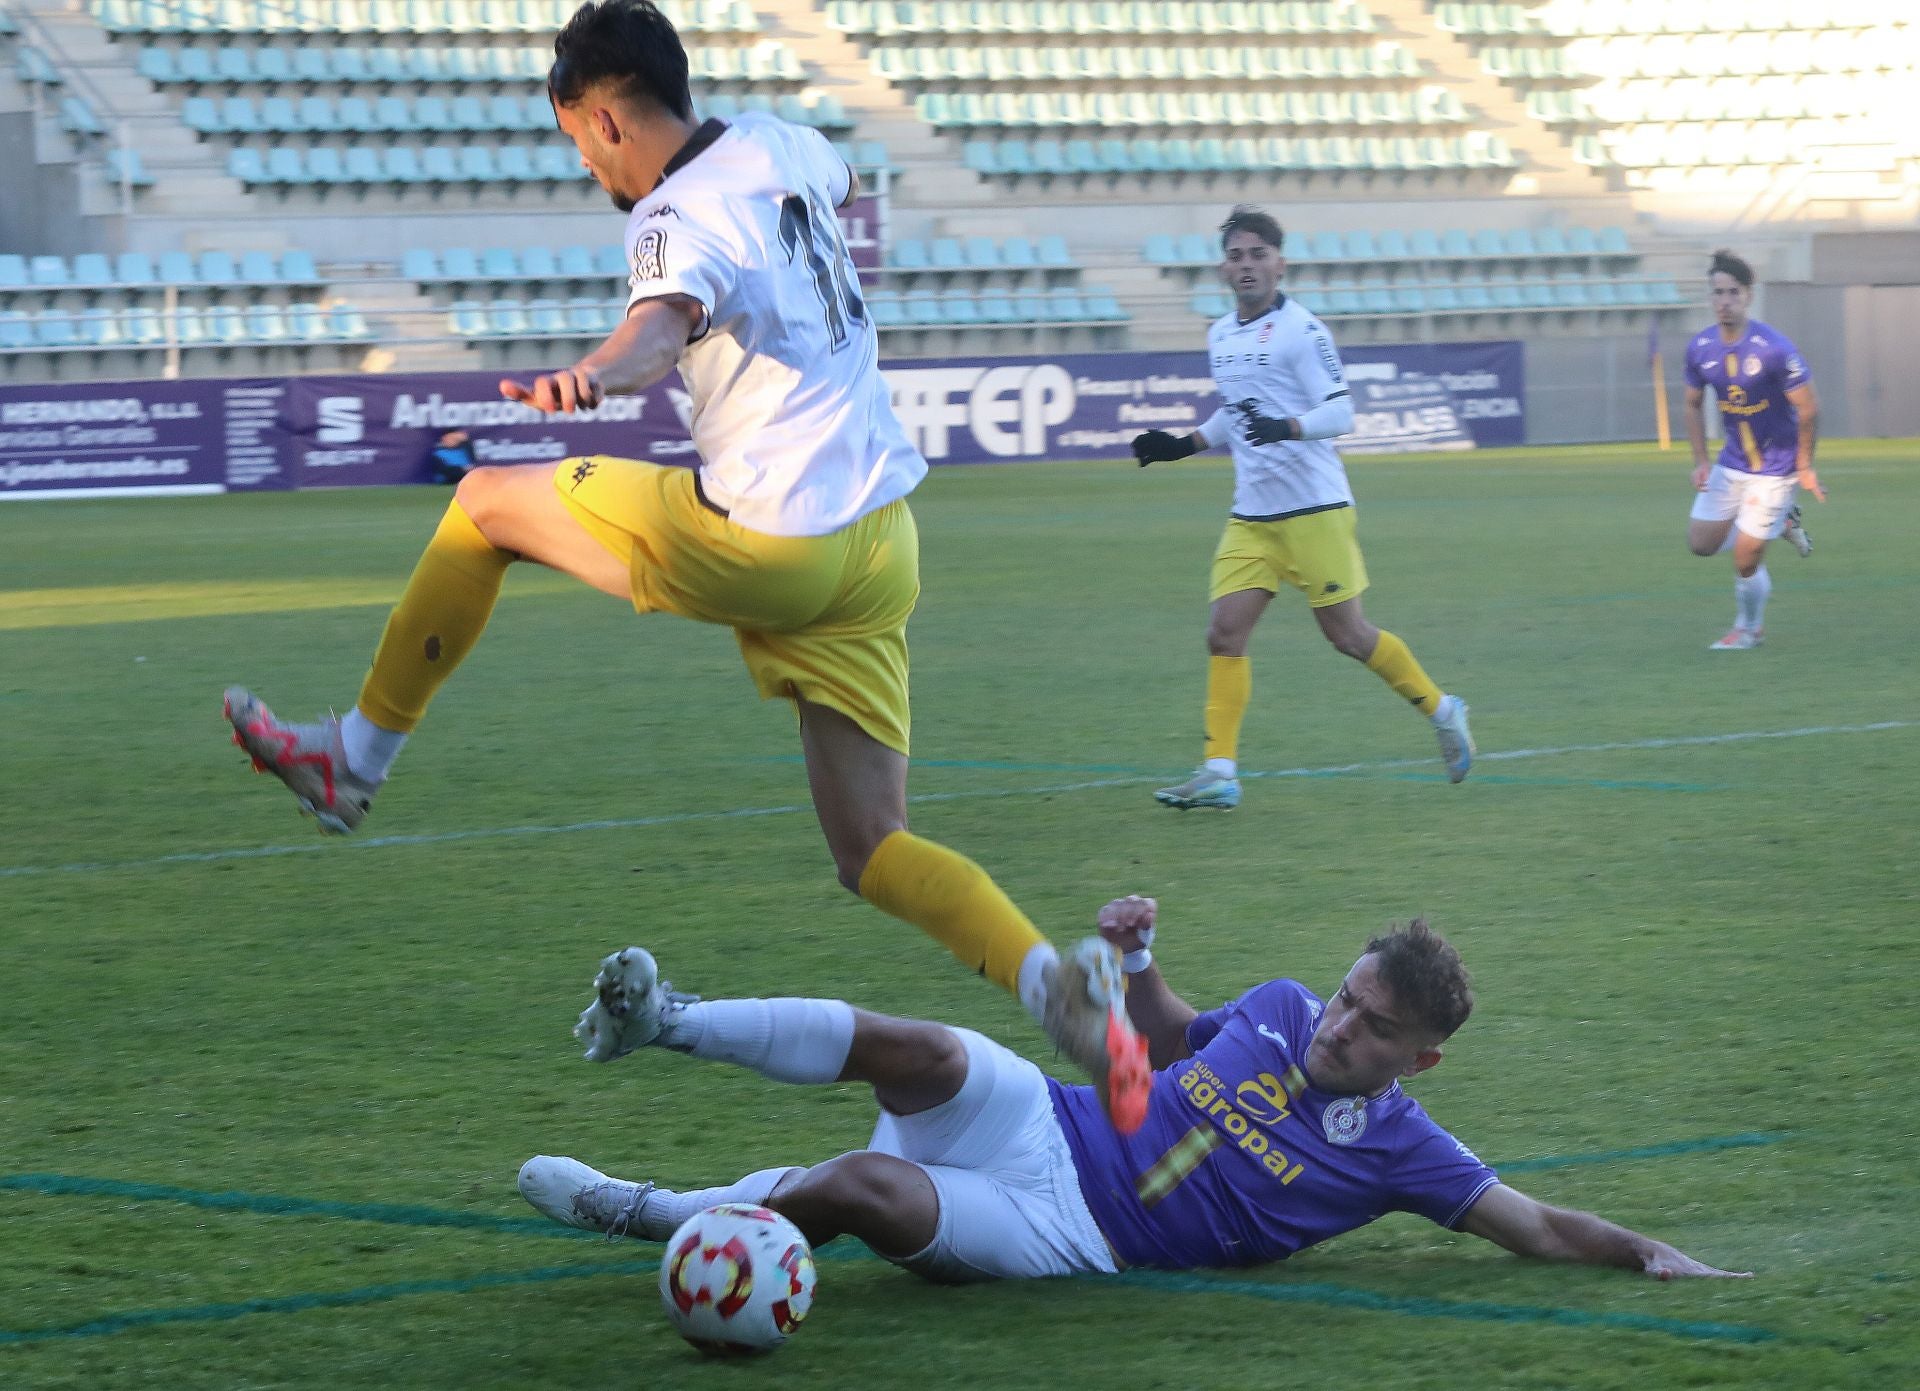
x=1767, y=410
x=1274, y=1122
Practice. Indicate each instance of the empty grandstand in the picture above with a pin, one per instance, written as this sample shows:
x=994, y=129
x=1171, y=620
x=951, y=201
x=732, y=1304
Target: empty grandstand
x=284, y=186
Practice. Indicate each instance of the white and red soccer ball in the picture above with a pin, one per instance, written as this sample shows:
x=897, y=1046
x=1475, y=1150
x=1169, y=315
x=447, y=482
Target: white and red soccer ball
x=736, y=1279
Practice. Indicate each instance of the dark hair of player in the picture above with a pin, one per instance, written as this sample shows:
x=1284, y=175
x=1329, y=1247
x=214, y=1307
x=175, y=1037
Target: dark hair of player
x=1726, y=263
x=1425, y=975
x=627, y=45
x=1250, y=219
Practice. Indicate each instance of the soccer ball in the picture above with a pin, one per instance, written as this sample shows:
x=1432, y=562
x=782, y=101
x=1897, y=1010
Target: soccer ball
x=736, y=1279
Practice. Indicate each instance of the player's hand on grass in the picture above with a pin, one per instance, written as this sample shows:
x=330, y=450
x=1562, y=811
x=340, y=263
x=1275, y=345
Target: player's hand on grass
x=1701, y=473
x=1664, y=1262
x=1811, y=482
x=1128, y=922
x=562, y=392
x=1159, y=447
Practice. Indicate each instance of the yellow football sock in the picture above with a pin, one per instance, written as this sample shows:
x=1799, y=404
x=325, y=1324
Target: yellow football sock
x=438, y=620
x=1396, y=666
x=952, y=900
x=1229, y=688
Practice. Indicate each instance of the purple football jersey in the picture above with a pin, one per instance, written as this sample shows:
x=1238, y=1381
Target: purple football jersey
x=1751, y=379
x=1242, y=1161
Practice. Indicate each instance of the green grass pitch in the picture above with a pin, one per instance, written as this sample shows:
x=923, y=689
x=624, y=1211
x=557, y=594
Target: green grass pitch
x=1695, y=952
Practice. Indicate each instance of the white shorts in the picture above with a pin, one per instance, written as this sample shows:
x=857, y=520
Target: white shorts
x=1010, y=1203
x=1756, y=503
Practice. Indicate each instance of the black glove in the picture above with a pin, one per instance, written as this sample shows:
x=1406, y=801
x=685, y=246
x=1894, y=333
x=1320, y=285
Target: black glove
x=1264, y=429
x=1159, y=447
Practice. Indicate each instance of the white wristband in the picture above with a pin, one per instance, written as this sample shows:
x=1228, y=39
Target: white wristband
x=1134, y=962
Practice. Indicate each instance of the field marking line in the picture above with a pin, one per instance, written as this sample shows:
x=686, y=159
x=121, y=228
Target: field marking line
x=318, y=845
x=419, y=1215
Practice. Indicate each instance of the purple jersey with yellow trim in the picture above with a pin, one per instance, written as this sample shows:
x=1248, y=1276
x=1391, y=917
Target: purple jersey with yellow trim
x=1751, y=378
x=1240, y=1161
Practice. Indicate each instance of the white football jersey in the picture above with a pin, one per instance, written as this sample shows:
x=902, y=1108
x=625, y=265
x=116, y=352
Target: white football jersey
x=1284, y=364
x=792, y=420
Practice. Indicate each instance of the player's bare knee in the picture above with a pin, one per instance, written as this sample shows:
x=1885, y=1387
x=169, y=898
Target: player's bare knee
x=851, y=1190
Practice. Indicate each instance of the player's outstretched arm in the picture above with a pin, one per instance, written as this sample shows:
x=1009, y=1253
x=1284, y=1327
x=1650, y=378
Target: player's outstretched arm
x=645, y=347
x=1160, y=1015
x=1525, y=1227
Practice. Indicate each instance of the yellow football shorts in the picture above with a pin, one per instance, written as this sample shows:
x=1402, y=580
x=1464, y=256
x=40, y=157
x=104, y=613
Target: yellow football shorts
x=819, y=618
x=1315, y=553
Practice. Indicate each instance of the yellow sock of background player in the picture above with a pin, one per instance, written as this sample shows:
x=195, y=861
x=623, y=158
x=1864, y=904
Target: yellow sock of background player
x=1396, y=666
x=439, y=618
x=955, y=902
x=1229, y=688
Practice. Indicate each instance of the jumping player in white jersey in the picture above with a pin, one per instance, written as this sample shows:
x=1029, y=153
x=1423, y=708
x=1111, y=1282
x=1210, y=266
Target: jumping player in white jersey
x=1769, y=409
x=1276, y=1122
x=793, y=531
x=1286, y=396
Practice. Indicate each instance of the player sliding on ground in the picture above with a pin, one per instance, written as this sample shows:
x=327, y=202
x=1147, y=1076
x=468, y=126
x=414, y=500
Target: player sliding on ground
x=1768, y=409
x=794, y=530
x=1275, y=1122
x=1292, y=521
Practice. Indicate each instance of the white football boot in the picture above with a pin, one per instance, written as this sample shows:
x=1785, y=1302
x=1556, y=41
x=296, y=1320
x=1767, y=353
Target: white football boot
x=576, y=1195
x=1738, y=640
x=1086, y=1017
x=1205, y=788
x=1456, y=740
x=310, y=759
x=632, y=1006
x=1796, y=532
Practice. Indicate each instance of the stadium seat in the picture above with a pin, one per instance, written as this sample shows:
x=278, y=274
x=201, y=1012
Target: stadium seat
x=467, y=318
x=347, y=323
x=257, y=268
x=124, y=167
x=297, y=268
x=16, y=330
x=177, y=268
x=133, y=268
x=264, y=323
x=47, y=271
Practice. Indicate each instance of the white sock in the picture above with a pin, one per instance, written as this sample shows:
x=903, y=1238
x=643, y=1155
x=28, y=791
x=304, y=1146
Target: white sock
x=1032, y=985
x=788, y=1040
x=370, y=749
x=1750, y=597
x=1225, y=767
x=664, y=1210
x=1442, y=708
x=1733, y=534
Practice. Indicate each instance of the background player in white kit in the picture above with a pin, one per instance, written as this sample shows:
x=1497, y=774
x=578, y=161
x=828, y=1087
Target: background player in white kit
x=793, y=531
x=1285, y=396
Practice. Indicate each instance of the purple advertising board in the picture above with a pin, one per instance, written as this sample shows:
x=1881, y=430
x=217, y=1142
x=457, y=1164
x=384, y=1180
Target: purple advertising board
x=72, y=439
x=343, y=432
x=353, y=431
x=1090, y=406
x=860, y=225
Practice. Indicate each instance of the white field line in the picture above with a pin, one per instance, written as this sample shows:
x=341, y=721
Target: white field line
x=318, y=845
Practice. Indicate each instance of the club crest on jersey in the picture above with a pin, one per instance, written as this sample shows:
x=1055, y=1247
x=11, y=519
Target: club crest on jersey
x=1751, y=366
x=1345, y=1121
x=650, y=255
x=1266, y=331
